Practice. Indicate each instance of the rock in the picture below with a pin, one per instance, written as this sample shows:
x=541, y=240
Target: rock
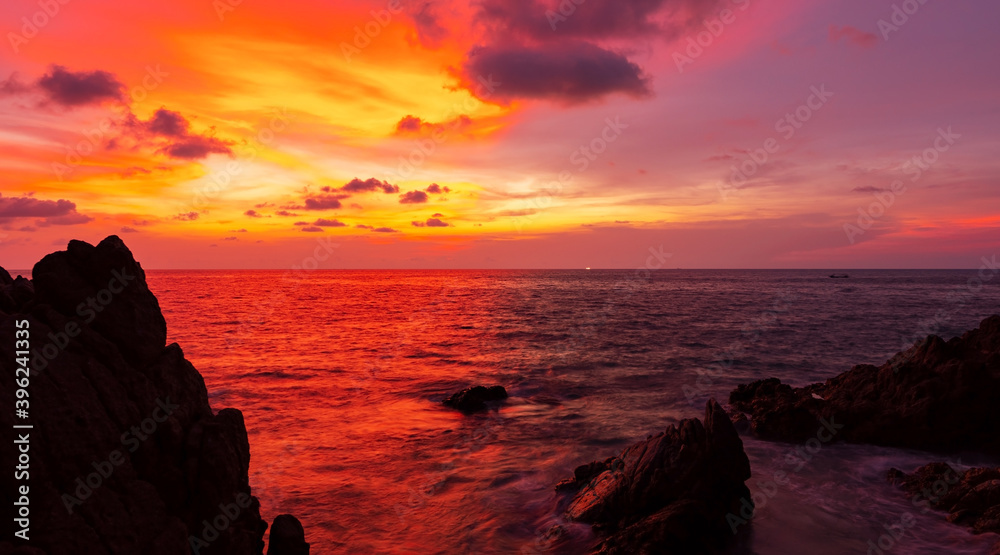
x=475, y=399
x=671, y=493
x=126, y=455
x=287, y=537
x=971, y=498
x=936, y=396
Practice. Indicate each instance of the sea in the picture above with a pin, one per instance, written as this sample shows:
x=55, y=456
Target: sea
x=340, y=376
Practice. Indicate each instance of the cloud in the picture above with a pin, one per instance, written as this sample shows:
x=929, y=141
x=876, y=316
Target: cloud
x=285, y=213
x=412, y=125
x=173, y=133
x=322, y=202
x=312, y=229
x=853, y=35
x=49, y=212
x=868, y=189
x=385, y=230
x=571, y=72
x=357, y=186
x=253, y=214
x=431, y=222
x=437, y=215
x=79, y=88
x=230, y=239
x=430, y=32
x=243, y=230
x=329, y=223
x=363, y=226
x=436, y=189
x=413, y=197
x=540, y=21
x=127, y=229
x=187, y=217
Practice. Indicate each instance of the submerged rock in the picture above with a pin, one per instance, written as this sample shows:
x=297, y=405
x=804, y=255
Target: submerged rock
x=671, y=493
x=475, y=399
x=971, y=498
x=938, y=396
x=126, y=455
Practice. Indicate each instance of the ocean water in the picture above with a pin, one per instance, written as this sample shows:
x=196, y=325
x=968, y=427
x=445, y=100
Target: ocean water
x=340, y=375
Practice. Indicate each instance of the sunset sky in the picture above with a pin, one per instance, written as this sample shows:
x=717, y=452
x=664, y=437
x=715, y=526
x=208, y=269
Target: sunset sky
x=503, y=133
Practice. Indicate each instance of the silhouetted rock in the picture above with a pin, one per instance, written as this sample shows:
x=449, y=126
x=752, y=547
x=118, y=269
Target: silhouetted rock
x=475, y=399
x=287, y=537
x=938, y=396
x=126, y=454
x=971, y=498
x=671, y=493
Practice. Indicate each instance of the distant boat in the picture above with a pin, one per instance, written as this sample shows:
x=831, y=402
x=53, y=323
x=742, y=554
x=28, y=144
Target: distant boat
x=839, y=275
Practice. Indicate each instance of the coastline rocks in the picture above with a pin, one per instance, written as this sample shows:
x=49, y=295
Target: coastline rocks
x=937, y=396
x=126, y=455
x=476, y=399
x=971, y=498
x=671, y=493
x=287, y=537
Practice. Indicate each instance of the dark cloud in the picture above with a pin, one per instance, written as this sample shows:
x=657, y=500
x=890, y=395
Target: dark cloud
x=127, y=229
x=430, y=32
x=322, y=222
x=385, y=230
x=31, y=207
x=418, y=224
x=322, y=202
x=413, y=197
x=230, y=239
x=594, y=19
x=412, y=125
x=363, y=226
x=434, y=222
x=437, y=215
x=253, y=214
x=141, y=223
x=312, y=229
x=243, y=230
x=187, y=217
x=357, y=186
x=285, y=213
x=73, y=218
x=172, y=132
x=869, y=189
x=264, y=205
x=78, y=88
x=437, y=189
x=571, y=72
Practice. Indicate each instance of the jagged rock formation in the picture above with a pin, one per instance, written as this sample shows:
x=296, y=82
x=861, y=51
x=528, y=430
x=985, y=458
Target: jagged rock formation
x=938, y=396
x=671, y=493
x=476, y=399
x=971, y=498
x=126, y=456
x=287, y=537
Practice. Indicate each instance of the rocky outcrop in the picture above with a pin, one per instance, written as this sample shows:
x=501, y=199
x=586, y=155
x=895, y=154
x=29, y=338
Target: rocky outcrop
x=126, y=455
x=671, y=493
x=937, y=396
x=476, y=399
x=971, y=498
x=287, y=537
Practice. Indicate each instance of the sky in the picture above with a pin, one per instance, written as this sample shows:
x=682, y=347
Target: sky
x=503, y=133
